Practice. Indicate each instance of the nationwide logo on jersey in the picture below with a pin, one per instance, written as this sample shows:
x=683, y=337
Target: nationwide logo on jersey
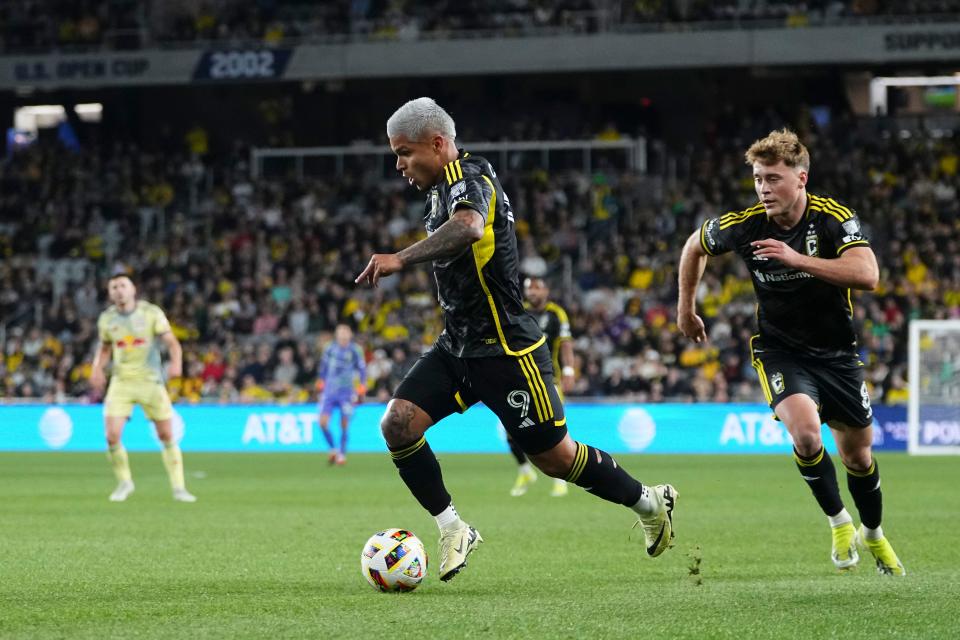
x=780, y=277
x=776, y=381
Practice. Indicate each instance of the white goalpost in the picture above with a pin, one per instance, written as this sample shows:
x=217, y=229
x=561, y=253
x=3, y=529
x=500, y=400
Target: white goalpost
x=933, y=412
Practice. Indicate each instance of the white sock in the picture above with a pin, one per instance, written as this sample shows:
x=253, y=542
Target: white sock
x=841, y=518
x=448, y=519
x=648, y=504
x=526, y=468
x=872, y=534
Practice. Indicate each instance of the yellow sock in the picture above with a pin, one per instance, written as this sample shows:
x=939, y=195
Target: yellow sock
x=117, y=456
x=173, y=461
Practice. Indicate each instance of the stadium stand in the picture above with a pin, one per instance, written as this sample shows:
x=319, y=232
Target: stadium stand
x=127, y=24
x=258, y=276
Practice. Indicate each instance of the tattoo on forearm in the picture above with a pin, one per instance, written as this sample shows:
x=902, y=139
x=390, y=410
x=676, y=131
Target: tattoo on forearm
x=449, y=240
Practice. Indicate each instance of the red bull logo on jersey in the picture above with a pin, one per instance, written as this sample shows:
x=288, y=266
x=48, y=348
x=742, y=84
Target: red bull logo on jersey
x=130, y=342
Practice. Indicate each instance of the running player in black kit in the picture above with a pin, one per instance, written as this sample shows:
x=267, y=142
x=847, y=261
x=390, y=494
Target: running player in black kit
x=491, y=350
x=805, y=253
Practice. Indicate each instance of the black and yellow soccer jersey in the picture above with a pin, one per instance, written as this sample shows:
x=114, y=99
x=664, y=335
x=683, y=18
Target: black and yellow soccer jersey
x=555, y=325
x=479, y=290
x=795, y=311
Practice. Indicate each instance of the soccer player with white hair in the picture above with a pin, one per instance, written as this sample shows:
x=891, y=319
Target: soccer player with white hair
x=491, y=349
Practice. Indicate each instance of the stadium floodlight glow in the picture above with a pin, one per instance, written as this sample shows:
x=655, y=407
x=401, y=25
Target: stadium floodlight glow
x=38, y=116
x=933, y=412
x=880, y=84
x=43, y=116
x=89, y=111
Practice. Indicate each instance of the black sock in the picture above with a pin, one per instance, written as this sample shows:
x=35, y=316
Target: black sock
x=421, y=472
x=516, y=451
x=821, y=476
x=865, y=488
x=598, y=473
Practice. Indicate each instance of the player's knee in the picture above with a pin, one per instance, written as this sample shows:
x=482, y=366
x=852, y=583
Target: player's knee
x=551, y=465
x=807, y=442
x=859, y=460
x=555, y=462
x=164, y=433
x=398, y=423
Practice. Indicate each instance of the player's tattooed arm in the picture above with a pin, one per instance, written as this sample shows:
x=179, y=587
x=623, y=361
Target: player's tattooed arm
x=456, y=234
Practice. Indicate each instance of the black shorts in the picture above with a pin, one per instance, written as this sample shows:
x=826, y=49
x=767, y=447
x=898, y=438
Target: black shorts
x=518, y=389
x=837, y=385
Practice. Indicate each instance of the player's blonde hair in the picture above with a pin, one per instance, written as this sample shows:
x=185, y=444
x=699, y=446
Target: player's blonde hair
x=420, y=116
x=781, y=144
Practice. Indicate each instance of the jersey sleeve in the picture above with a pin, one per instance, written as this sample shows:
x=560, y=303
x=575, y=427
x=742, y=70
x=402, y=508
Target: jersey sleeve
x=324, y=366
x=844, y=230
x=361, y=365
x=467, y=186
x=716, y=237
x=160, y=323
x=563, y=332
x=102, y=329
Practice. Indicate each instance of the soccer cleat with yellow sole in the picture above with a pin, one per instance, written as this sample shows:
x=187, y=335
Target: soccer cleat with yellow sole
x=559, y=488
x=888, y=564
x=523, y=482
x=844, y=552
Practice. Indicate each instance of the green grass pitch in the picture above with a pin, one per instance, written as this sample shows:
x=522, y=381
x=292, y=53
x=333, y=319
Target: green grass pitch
x=272, y=548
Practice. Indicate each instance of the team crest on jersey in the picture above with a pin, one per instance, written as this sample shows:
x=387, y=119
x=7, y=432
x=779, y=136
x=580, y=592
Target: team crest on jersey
x=813, y=248
x=776, y=381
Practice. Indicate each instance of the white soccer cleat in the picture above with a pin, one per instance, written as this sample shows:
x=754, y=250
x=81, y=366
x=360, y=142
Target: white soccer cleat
x=182, y=495
x=455, y=546
x=658, y=528
x=123, y=491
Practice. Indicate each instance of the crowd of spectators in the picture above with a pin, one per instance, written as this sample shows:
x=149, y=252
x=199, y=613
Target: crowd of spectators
x=41, y=25
x=255, y=275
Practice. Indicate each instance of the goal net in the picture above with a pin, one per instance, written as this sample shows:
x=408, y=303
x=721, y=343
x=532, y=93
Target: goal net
x=933, y=413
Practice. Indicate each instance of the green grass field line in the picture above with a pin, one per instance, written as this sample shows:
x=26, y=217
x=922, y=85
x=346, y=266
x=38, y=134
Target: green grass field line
x=272, y=550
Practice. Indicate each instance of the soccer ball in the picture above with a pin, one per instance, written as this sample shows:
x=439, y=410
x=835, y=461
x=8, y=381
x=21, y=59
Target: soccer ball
x=394, y=560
